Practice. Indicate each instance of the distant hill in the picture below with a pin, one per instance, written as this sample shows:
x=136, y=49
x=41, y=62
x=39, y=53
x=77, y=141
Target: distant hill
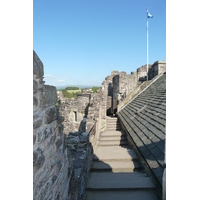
x=80, y=86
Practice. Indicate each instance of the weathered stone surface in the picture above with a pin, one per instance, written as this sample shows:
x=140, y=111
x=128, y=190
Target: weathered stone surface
x=35, y=86
x=53, y=161
x=51, y=140
x=35, y=101
x=50, y=114
x=37, y=123
x=58, y=143
x=50, y=163
x=60, y=119
x=47, y=96
x=34, y=138
x=37, y=66
x=43, y=133
x=74, y=110
x=38, y=158
x=84, y=137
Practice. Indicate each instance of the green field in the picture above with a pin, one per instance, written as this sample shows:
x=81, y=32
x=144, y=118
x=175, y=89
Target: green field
x=70, y=91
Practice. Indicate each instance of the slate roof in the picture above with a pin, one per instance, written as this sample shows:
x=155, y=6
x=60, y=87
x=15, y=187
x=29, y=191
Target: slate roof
x=144, y=118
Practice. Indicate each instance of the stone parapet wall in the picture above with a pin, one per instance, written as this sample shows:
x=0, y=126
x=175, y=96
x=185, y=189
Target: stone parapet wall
x=157, y=68
x=94, y=113
x=49, y=157
x=60, y=162
x=80, y=154
x=142, y=73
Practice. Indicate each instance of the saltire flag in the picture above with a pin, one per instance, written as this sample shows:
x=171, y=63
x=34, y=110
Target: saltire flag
x=149, y=15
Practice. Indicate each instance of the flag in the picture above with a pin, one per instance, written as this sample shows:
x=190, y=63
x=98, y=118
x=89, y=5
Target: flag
x=149, y=15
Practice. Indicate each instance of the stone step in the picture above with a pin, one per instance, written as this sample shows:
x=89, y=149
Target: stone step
x=140, y=194
x=127, y=181
x=113, y=138
x=112, y=120
x=113, y=124
x=113, y=143
x=110, y=153
x=113, y=129
x=116, y=166
x=112, y=133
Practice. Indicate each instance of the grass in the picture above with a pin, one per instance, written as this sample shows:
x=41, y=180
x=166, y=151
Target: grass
x=73, y=91
x=70, y=93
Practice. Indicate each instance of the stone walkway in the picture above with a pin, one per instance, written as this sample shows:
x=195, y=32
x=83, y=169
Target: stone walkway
x=116, y=172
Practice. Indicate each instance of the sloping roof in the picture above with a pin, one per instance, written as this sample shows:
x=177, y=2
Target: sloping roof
x=144, y=118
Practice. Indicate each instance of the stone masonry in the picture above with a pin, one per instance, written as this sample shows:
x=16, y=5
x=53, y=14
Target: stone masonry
x=60, y=162
x=49, y=157
x=75, y=112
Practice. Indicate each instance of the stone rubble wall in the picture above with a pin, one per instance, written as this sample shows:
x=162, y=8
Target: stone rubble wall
x=60, y=163
x=75, y=112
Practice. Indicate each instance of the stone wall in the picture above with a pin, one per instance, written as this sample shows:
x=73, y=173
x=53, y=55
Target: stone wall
x=123, y=85
x=93, y=110
x=157, y=68
x=49, y=157
x=75, y=112
x=106, y=106
x=142, y=73
x=60, y=162
x=94, y=118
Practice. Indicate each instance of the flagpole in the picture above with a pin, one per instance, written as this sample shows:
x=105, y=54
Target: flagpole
x=147, y=44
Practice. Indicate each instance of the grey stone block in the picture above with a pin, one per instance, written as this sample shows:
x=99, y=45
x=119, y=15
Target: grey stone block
x=43, y=133
x=50, y=114
x=60, y=119
x=58, y=143
x=37, y=123
x=34, y=138
x=47, y=96
x=35, y=86
x=35, y=101
x=38, y=69
x=38, y=159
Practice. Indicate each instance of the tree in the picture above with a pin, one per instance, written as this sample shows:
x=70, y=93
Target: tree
x=72, y=88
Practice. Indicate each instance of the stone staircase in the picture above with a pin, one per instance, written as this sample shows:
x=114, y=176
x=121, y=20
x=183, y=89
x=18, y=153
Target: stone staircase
x=116, y=172
x=112, y=123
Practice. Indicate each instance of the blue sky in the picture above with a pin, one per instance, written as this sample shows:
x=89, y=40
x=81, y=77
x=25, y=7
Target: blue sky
x=80, y=42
